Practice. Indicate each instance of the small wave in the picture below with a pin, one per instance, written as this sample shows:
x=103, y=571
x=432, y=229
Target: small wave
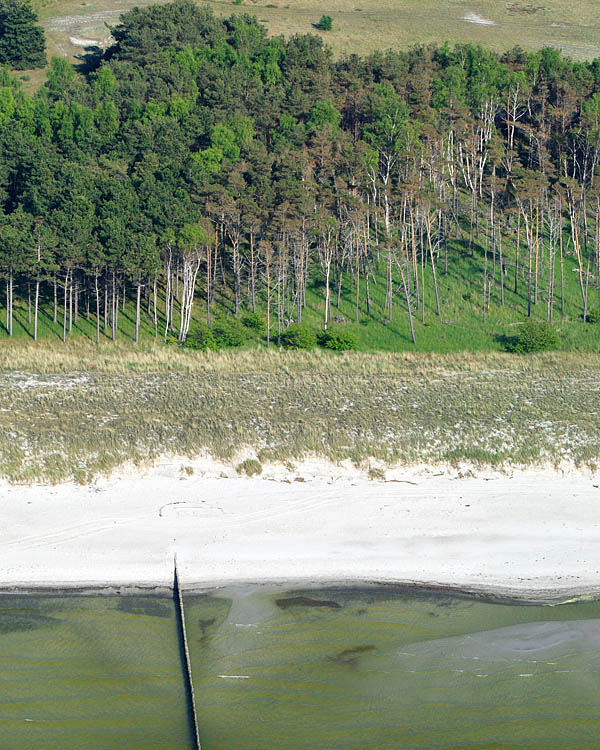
x=234, y=676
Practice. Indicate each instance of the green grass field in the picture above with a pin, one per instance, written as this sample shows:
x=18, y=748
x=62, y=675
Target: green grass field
x=359, y=26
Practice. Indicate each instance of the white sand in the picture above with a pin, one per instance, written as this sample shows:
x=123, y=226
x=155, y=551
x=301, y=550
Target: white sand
x=532, y=535
x=474, y=18
x=85, y=42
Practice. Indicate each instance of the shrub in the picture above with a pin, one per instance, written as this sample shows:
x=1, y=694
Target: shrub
x=593, y=315
x=533, y=336
x=250, y=467
x=338, y=339
x=376, y=474
x=298, y=336
x=254, y=321
x=228, y=332
x=325, y=23
x=201, y=338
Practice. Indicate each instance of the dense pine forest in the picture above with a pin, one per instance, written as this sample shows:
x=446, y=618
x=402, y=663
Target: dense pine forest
x=210, y=184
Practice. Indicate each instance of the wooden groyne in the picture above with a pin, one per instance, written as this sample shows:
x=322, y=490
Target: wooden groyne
x=185, y=658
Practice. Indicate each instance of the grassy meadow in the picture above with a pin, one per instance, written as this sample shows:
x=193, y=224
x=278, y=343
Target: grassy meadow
x=359, y=26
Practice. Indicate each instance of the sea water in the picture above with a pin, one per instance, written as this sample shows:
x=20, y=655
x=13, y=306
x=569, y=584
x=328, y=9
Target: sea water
x=299, y=670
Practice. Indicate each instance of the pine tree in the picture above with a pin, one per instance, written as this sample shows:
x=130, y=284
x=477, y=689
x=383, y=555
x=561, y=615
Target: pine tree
x=22, y=42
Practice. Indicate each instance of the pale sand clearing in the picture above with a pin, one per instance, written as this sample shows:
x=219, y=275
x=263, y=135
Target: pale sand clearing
x=474, y=18
x=85, y=42
x=535, y=535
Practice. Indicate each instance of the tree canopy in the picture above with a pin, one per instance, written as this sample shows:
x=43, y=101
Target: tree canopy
x=201, y=155
x=22, y=42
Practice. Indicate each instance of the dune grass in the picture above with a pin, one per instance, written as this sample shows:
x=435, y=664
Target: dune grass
x=488, y=409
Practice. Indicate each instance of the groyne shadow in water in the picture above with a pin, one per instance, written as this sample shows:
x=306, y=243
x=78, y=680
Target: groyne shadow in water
x=186, y=665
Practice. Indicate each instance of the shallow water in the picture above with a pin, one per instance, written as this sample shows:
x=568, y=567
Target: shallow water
x=384, y=670
x=90, y=673
x=299, y=670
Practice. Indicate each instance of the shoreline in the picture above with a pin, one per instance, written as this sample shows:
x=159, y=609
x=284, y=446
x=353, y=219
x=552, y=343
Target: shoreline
x=531, y=536
x=491, y=594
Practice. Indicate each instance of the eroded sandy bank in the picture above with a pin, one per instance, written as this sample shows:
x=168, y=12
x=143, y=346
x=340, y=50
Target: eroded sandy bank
x=532, y=535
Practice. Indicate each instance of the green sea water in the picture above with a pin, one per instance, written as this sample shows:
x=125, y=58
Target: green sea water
x=90, y=673
x=299, y=670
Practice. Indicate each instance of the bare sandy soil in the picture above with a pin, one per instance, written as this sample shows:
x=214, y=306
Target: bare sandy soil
x=532, y=535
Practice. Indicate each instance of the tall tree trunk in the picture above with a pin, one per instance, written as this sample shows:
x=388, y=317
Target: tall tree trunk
x=423, y=263
x=106, y=300
x=517, y=254
x=485, y=280
x=252, y=273
x=208, y=282
x=407, y=295
x=71, y=303
x=36, y=308
x=9, y=302
x=155, y=295
x=357, y=302
x=562, y=268
x=65, y=305
x=537, y=251
x=327, y=292
x=97, y=308
x=435, y=286
x=501, y=268
x=367, y=294
x=114, y=306
x=268, y=268
x=168, y=291
x=138, y=297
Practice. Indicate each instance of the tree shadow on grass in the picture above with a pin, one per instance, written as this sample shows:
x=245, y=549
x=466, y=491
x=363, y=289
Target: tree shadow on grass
x=90, y=61
x=508, y=343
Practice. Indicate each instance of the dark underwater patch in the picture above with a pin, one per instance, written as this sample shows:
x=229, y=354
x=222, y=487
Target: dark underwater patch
x=144, y=605
x=305, y=601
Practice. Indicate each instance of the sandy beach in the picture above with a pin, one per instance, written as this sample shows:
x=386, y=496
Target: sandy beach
x=533, y=535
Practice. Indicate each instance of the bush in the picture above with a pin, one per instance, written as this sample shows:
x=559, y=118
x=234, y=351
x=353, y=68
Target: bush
x=533, y=336
x=202, y=339
x=338, y=339
x=593, y=315
x=325, y=23
x=250, y=467
x=254, y=321
x=298, y=336
x=228, y=332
